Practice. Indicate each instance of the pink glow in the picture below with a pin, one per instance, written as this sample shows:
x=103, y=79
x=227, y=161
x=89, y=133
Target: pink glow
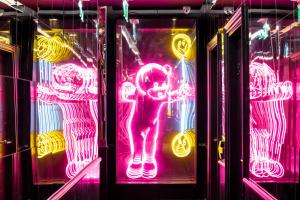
x=74, y=89
x=267, y=120
x=151, y=91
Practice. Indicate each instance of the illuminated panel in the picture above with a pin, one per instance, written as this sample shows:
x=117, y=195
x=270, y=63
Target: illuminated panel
x=74, y=90
x=267, y=120
x=148, y=94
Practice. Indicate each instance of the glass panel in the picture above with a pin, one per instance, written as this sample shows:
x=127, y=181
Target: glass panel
x=83, y=186
x=274, y=105
x=64, y=99
x=156, y=85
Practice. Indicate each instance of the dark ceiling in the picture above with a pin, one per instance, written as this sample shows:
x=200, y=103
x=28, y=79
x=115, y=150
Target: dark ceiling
x=92, y=4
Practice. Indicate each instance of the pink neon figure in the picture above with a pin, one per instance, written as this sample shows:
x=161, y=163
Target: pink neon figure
x=152, y=89
x=74, y=89
x=267, y=120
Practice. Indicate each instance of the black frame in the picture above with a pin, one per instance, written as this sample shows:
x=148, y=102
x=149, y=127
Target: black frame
x=236, y=145
x=109, y=189
x=214, y=110
x=236, y=103
x=14, y=51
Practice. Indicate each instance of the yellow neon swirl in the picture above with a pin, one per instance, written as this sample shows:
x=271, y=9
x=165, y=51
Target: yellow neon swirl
x=52, y=49
x=181, y=44
x=50, y=142
x=182, y=143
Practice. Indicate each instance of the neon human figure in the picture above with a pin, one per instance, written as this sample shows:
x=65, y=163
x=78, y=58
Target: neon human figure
x=149, y=93
x=74, y=89
x=267, y=120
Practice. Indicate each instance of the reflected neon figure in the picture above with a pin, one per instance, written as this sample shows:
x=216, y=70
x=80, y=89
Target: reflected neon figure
x=50, y=142
x=148, y=95
x=74, y=89
x=267, y=120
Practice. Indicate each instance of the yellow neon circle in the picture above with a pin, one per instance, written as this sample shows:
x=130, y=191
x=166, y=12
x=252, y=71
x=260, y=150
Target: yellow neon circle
x=181, y=45
x=182, y=144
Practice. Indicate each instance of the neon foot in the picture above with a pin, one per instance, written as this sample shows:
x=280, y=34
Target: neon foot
x=275, y=169
x=150, y=170
x=71, y=169
x=134, y=170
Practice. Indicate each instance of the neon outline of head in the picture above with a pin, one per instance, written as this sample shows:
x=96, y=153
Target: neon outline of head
x=157, y=91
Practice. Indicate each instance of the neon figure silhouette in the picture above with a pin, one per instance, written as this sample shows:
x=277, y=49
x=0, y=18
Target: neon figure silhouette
x=148, y=95
x=267, y=120
x=74, y=89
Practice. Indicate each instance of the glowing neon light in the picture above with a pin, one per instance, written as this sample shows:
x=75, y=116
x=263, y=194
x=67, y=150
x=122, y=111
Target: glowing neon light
x=81, y=12
x=267, y=120
x=261, y=34
x=4, y=40
x=74, y=89
x=52, y=49
x=181, y=45
x=298, y=9
x=125, y=9
x=286, y=50
x=51, y=142
x=182, y=143
x=64, y=45
x=298, y=12
x=152, y=89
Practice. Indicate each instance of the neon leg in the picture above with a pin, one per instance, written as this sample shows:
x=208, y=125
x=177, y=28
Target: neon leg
x=135, y=166
x=149, y=161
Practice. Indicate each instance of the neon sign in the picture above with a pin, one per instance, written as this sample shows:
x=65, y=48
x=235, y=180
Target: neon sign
x=74, y=90
x=181, y=45
x=182, y=143
x=81, y=12
x=125, y=6
x=149, y=93
x=267, y=120
x=261, y=34
x=52, y=49
x=51, y=142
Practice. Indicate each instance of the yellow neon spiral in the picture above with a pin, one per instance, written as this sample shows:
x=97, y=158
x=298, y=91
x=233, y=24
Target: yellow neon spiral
x=53, y=49
x=50, y=142
x=181, y=45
